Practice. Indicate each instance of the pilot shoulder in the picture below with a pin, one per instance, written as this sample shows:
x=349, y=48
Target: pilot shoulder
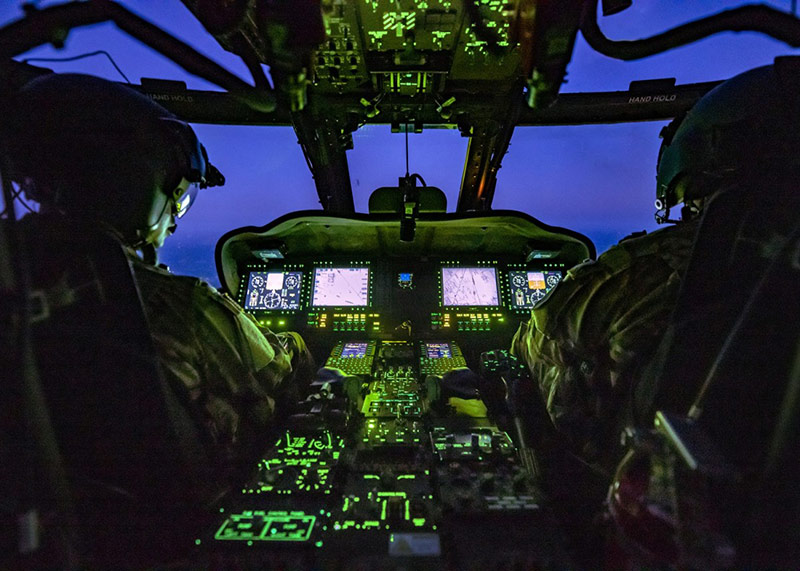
x=187, y=287
x=209, y=292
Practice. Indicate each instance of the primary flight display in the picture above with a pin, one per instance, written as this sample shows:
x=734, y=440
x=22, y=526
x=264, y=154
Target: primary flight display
x=273, y=290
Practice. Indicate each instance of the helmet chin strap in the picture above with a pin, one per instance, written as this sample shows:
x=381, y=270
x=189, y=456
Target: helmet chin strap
x=662, y=212
x=688, y=212
x=149, y=254
x=144, y=236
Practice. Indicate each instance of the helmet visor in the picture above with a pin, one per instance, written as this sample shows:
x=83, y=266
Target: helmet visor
x=183, y=197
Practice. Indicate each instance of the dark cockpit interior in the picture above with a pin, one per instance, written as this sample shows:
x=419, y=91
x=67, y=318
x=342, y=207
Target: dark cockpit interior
x=422, y=442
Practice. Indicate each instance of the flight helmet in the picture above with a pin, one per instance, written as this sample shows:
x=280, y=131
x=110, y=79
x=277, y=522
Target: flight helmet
x=102, y=151
x=744, y=128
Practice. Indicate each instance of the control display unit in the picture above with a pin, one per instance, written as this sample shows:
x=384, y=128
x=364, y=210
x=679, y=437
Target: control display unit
x=439, y=357
x=273, y=290
x=340, y=287
x=470, y=287
x=438, y=350
x=530, y=286
x=352, y=358
x=354, y=350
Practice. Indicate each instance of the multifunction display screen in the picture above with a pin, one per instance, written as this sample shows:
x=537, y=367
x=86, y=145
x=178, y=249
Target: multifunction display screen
x=469, y=287
x=528, y=287
x=340, y=287
x=273, y=290
x=354, y=350
x=438, y=351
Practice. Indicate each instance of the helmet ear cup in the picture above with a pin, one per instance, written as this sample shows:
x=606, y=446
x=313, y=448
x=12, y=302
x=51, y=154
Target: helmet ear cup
x=744, y=129
x=100, y=150
x=189, y=156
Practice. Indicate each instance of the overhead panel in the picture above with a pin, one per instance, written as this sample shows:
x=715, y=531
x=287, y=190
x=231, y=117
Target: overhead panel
x=410, y=48
x=427, y=63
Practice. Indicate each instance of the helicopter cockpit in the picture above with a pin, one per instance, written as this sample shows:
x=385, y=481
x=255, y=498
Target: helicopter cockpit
x=420, y=445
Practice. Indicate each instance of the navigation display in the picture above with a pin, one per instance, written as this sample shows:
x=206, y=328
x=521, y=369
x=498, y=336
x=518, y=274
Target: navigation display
x=528, y=287
x=438, y=351
x=469, y=287
x=273, y=290
x=340, y=287
x=354, y=350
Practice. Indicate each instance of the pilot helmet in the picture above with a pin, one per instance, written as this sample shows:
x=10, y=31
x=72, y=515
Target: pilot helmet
x=744, y=129
x=104, y=152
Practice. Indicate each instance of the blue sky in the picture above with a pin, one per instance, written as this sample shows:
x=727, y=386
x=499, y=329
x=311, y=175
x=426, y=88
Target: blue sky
x=597, y=179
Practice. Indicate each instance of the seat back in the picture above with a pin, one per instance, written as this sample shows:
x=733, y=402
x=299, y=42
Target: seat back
x=732, y=350
x=127, y=441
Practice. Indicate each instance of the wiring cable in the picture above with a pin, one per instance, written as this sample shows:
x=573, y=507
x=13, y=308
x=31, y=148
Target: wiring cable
x=78, y=57
x=406, y=129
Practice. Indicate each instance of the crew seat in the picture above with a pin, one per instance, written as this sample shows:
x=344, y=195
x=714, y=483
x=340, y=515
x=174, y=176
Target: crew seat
x=734, y=338
x=130, y=450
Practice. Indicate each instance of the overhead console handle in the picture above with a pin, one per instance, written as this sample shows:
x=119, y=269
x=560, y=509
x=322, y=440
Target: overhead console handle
x=754, y=18
x=51, y=25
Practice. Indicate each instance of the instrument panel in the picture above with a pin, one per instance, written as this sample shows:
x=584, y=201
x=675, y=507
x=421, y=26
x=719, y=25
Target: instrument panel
x=395, y=297
x=407, y=453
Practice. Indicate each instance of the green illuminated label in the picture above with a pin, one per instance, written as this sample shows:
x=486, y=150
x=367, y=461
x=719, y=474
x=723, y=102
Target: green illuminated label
x=266, y=526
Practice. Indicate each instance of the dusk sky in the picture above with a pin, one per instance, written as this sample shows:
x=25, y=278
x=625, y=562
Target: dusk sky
x=598, y=180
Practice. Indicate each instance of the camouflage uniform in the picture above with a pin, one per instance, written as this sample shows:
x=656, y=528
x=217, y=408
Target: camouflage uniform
x=237, y=377
x=586, y=341
x=233, y=371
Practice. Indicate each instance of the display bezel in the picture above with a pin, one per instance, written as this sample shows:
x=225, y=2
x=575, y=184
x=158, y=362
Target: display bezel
x=478, y=266
x=245, y=282
x=313, y=283
x=512, y=288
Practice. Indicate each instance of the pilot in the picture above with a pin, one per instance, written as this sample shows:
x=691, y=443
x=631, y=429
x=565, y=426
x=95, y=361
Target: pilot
x=96, y=156
x=589, y=340
x=592, y=335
